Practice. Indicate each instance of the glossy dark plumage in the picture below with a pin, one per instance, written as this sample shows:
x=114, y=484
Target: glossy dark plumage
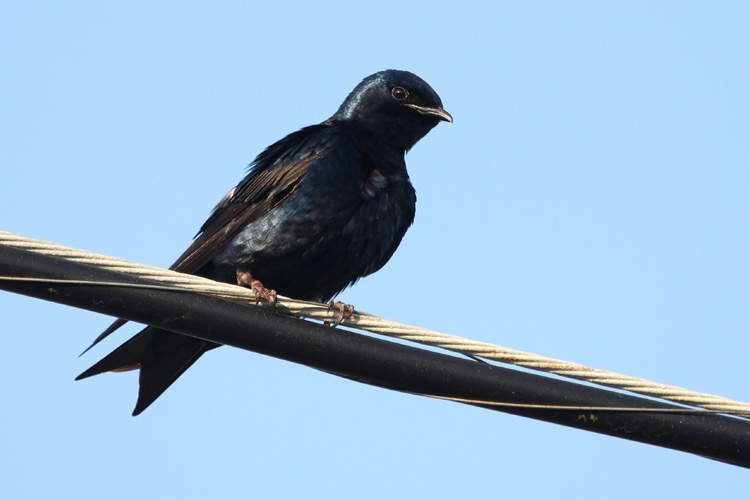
x=318, y=210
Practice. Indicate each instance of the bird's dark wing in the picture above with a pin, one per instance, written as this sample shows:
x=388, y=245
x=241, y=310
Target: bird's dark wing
x=240, y=207
x=162, y=356
x=274, y=175
x=272, y=179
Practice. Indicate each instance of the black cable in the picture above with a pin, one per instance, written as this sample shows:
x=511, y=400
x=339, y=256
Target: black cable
x=378, y=362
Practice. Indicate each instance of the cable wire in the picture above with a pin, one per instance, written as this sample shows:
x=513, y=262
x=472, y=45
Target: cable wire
x=374, y=324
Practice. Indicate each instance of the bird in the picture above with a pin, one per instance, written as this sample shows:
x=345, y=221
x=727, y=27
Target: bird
x=318, y=210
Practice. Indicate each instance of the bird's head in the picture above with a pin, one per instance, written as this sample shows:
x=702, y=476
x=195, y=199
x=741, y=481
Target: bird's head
x=396, y=105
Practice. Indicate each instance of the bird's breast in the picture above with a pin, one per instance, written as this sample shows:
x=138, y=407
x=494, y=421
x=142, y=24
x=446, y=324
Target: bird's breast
x=387, y=208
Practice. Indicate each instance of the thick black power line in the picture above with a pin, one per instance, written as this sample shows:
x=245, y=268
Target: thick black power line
x=377, y=362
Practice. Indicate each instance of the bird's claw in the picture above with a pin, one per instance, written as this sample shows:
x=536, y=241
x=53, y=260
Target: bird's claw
x=244, y=278
x=345, y=311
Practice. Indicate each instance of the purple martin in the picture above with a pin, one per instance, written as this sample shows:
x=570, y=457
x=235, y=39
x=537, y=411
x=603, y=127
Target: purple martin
x=318, y=210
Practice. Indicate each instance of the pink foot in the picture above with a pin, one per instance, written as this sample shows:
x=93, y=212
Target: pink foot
x=244, y=278
x=345, y=311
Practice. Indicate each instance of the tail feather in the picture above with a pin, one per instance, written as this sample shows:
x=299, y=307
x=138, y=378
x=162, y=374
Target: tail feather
x=114, y=326
x=162, y=356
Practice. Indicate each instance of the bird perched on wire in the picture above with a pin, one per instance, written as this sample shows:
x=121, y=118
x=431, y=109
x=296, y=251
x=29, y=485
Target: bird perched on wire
x=318, y=210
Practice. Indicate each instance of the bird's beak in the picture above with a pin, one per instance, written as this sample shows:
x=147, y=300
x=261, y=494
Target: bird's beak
x=437, y=112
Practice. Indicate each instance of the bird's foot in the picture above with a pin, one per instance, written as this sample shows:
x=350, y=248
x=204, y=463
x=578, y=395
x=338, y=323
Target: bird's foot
x=345, y=312
x=244, y=278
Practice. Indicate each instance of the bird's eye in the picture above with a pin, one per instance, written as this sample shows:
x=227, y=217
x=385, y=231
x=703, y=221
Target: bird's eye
x=399, y=93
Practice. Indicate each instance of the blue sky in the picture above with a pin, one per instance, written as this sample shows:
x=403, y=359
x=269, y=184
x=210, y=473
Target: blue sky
x=591, y=202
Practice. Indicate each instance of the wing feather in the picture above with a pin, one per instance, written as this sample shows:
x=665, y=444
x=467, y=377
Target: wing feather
x=274, y=176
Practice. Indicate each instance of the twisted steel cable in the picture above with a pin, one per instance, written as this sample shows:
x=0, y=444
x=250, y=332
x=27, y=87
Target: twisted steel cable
x=374, y=324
